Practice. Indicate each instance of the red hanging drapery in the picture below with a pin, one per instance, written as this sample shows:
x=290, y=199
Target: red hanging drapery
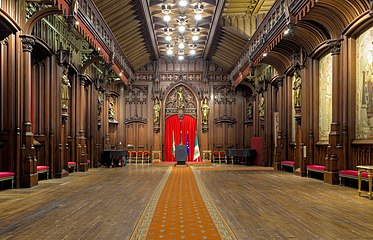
x=188, y=125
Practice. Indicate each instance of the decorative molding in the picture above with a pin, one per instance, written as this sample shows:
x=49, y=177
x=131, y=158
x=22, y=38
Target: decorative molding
x=225, y=119
x=135, y=119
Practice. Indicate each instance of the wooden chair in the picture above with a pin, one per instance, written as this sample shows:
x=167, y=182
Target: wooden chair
x=132, y=155
x=216, y=156
x=140, y=157
x=146, y=157
x=222, y=156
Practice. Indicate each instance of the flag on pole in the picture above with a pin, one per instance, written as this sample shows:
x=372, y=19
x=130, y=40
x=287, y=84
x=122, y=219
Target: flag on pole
x=173, y=144
x=196, y=156
x=187, y=144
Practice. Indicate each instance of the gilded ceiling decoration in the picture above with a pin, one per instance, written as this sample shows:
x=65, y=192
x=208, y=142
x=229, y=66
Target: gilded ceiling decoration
x=182, y=26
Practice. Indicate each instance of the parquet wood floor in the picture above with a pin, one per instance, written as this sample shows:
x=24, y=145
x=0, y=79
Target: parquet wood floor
x=107, y=203
x=104, y=203
x=279, y=205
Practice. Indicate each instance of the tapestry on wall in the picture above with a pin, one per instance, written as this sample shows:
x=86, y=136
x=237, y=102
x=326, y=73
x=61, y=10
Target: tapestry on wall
x=325, y=96
x=364, y=85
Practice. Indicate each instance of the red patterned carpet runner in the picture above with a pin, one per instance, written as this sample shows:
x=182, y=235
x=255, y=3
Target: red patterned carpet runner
x=183, y=210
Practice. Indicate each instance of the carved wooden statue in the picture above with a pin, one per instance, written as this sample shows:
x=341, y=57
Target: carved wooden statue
x=157, y=109
x=205, y=111
x=111, y=110
x=65, y=89
x=261, y=107
x=297, y=90
x=180, y=97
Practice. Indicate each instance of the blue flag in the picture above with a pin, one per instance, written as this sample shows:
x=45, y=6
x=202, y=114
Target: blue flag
x=187, y=144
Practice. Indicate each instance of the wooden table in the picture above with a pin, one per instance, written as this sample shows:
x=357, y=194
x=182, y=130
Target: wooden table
x=369, y=170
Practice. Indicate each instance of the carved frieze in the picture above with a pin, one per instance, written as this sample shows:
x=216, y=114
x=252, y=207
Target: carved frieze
x=144, y=77
x=33, y=7
x=224, y=95
x=137, y=95
x=193, y=77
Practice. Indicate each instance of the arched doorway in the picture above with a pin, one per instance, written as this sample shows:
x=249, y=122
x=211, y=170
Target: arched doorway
x=181, y=121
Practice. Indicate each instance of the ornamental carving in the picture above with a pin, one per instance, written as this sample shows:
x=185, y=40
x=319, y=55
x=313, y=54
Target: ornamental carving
x=27, y=43
x=334, y=46
x=195, y=77
x=144, y=77
x=137, y=95
x=33, y=7
x=182, y=99
x=224, y=95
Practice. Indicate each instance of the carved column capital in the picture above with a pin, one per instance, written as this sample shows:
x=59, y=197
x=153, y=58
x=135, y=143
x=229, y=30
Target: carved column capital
x=280, y=82
x=334, y=46
x=83, y=80
x=27, y=42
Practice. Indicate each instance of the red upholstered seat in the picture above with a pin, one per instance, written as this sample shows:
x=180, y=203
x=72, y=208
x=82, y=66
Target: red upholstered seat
x=290, y=163
x=41, y=168
x=71, y=163
x=6, y=174
x=353, y=173
x=88, y=161
x=316, y=167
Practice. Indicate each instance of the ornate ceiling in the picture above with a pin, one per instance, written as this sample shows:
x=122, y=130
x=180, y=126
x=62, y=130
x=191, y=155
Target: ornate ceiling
x=186, y=32
x=251, y=7
x=145, y=35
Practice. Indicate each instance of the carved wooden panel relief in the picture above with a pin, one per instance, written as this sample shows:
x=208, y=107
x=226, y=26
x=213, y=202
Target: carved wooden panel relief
x=181, y=97
x=224, y=95
x=137, y=95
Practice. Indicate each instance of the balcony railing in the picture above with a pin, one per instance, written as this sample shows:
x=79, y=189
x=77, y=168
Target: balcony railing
x=268, y=34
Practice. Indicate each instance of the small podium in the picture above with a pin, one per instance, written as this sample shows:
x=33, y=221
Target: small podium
x=181, y=154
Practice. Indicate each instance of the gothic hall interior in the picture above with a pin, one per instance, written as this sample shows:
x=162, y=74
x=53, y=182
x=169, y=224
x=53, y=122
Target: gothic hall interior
x=260, y=103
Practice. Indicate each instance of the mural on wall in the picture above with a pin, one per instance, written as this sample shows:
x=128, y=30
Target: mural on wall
x=364, y=85
x=325, y=96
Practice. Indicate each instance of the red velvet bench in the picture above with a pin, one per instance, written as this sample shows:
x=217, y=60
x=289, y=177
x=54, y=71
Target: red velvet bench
x=315, y=168
x=4, y=176
x=353, y=174
x=287, y=164
x=72, y=165
x=43, y=169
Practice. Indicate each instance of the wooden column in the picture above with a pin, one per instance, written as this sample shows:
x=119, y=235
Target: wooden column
x=280, y=145
x=331, y=173
x=82, y=163
x=28, y=166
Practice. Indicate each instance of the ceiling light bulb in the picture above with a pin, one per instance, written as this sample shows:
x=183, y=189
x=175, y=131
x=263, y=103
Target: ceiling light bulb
x=166, y=18
x=192, y=51
x=264, y=54
x=181, y=58
x=168, y=38
x=181, y=28
x=170, y=52
x=195, y=38
x=183, y=3
x=198, y=17
x=181, y=46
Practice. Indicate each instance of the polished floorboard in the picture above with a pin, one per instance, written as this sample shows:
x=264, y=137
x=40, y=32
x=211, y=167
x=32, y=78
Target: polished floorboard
x=106, y=203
